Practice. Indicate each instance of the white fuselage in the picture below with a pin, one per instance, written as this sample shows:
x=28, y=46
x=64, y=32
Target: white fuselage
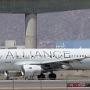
x=13, y=59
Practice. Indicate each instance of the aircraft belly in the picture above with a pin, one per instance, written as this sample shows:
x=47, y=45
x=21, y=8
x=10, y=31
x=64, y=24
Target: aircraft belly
x=11, y=67
x=2, y=66
x=83, y=65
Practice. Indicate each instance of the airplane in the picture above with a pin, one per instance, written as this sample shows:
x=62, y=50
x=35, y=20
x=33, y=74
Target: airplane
x=36, y=62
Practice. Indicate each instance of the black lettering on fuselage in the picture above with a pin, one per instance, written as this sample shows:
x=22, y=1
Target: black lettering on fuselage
x=9, y=54
x=57, y=54
x=18, y=56
x=37, y=54
x=25, y=56
x=31, y=55
x=66, y=54
x=46, y=54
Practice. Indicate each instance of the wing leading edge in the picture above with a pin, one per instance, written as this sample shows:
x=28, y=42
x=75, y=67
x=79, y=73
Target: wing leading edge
x=65, y=60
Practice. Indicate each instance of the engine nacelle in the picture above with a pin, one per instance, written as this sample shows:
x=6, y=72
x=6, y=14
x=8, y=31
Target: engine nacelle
x=31, y=70
x=65, y=67
x=12, y=74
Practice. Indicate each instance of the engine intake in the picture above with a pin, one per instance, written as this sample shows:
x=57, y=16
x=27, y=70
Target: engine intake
x=12, y=74
x=31, y=70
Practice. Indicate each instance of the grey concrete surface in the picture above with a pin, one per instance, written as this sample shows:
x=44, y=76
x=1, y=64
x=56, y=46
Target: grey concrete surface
x=45, y=88
x=43, y=81
x=40, y=85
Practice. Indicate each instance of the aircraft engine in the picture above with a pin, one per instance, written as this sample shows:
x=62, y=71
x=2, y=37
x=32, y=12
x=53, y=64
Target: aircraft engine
x=31, y=70
x=12, y=74
x=65, y=67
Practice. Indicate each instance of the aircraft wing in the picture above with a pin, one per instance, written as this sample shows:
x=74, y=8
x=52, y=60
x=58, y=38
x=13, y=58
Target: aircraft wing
x=54, y=64
x=65, y=60
x=61, y=63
